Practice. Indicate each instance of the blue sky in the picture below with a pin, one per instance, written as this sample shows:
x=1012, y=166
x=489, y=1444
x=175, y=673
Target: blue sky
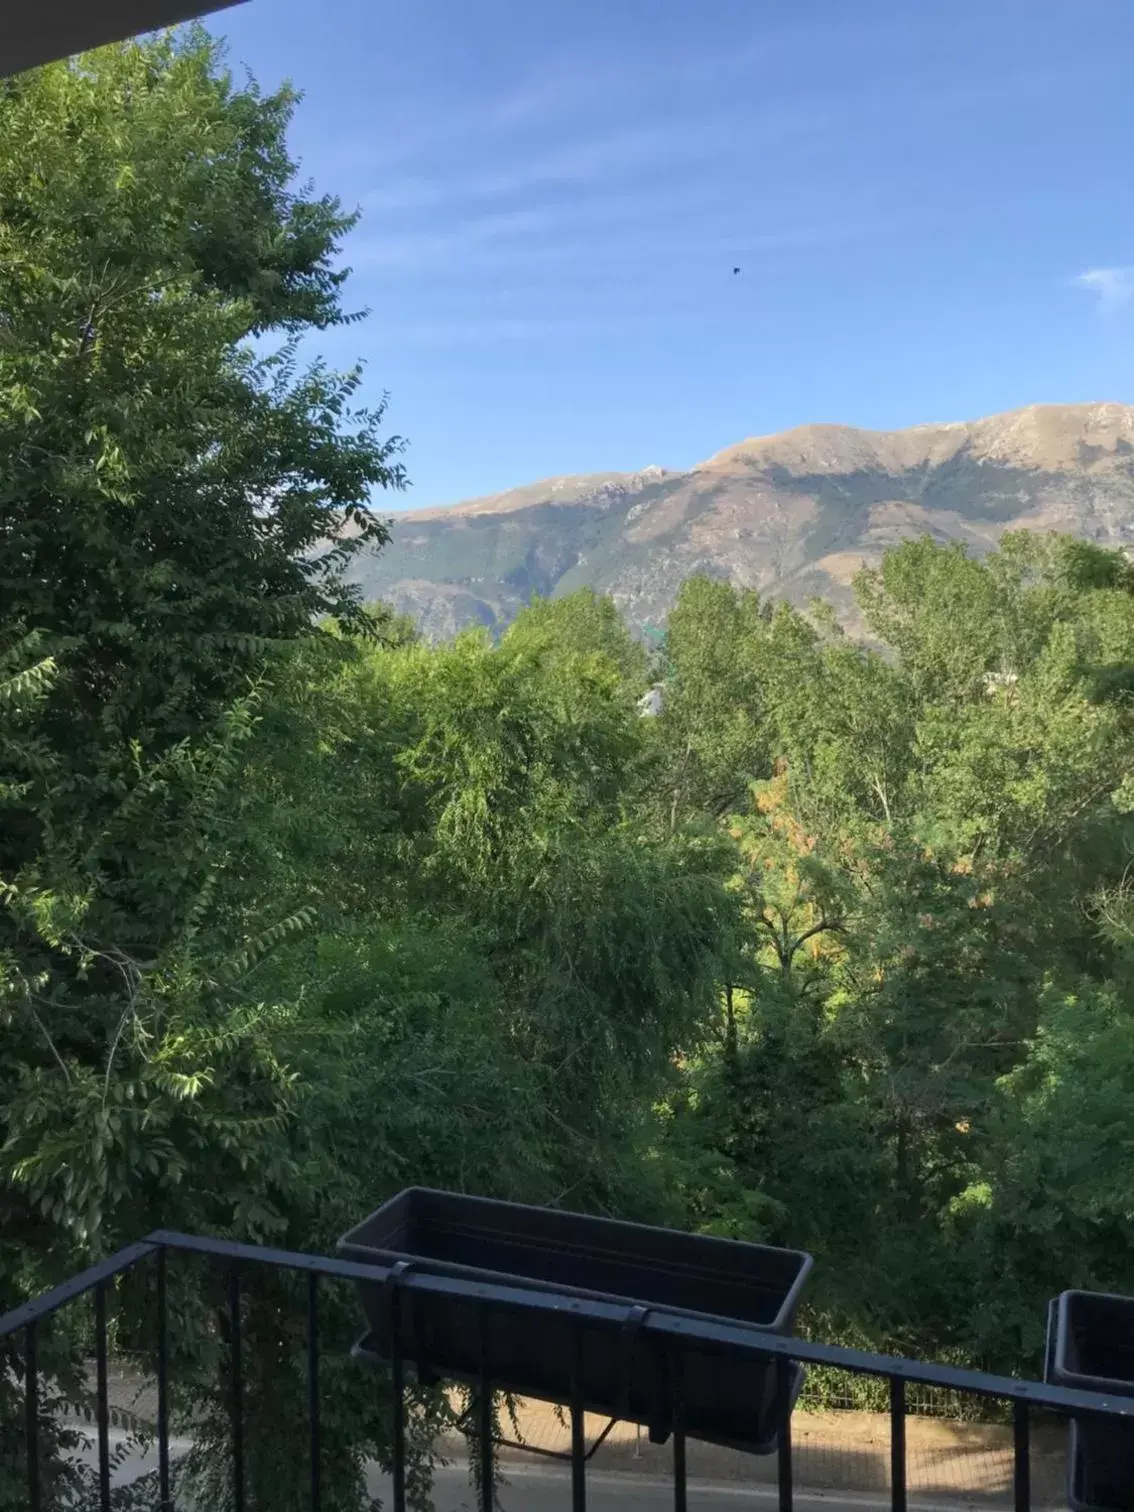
x=931, y=204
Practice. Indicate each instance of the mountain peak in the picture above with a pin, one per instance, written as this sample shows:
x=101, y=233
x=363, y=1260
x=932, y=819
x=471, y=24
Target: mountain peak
x=793, y=514
x=1056, y=435
x=1038, y=436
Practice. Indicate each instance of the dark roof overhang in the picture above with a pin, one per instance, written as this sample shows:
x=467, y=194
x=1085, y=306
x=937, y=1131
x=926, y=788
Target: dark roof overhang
x=40, y=31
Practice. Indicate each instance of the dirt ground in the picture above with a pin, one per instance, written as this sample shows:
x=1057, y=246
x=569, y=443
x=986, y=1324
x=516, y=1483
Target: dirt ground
x=833, y=1451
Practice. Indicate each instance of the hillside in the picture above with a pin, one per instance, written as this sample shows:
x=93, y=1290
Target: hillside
x=792, y=514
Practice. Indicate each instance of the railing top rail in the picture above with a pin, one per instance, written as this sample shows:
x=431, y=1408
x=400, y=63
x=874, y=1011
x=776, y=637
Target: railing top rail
x=75, y=1286
x=731, y=1337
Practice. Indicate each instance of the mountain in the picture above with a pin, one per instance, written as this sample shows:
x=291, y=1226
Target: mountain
x=793, y=514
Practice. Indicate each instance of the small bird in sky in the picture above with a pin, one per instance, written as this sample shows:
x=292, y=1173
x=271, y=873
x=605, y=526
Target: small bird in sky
x=736, y=270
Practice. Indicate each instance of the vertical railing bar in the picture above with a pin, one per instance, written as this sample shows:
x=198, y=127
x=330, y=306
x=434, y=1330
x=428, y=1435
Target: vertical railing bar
x=578, y=1426
x=398, y=1388
x=677, y=1391
x=31, y=1414
x=897, y=1444
x=1022, y=1472
x=484, y=1413
x=164, y=1500
x=784, y=1369
x=102, y=1400
x=237, y=1404
x=313, y=1386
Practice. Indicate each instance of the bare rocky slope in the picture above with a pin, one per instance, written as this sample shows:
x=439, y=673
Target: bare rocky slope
x=793, y=515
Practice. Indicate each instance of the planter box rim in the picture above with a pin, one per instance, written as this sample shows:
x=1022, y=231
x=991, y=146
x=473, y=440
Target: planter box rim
x=352, y=1247
x=1082, y=1380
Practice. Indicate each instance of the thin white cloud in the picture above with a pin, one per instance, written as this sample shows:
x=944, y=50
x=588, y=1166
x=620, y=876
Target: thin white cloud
x=495, y=332
x=453, y=246
x=1113, y=287
x=603, y=238
x=776, y=67
x=604, y=89
x=689, y=141
x=578, y=163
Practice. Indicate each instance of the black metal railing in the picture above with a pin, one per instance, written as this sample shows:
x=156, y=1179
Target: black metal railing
x=668, y=1332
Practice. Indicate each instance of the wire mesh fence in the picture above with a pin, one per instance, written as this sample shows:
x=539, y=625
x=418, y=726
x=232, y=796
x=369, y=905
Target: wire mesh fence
x=830, y=1390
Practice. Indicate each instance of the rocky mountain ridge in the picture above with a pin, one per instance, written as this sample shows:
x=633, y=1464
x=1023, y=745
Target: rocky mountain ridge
x=793, y=514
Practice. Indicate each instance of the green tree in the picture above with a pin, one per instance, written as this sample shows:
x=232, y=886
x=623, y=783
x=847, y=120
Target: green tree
x=1048, y=1204
x=583, y=623
x=429, y=885
x=951, y=819
x=174, y=501
x=177, y=499
x=713, y=726
x=173, y=506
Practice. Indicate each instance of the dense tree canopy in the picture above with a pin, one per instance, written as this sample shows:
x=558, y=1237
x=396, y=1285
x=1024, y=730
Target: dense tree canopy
x=921, y=1067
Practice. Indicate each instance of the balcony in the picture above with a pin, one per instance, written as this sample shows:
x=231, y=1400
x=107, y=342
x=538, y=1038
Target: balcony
x=166, y=1268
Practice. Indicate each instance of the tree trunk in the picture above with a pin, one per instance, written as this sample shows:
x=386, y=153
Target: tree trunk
x=730, y=1044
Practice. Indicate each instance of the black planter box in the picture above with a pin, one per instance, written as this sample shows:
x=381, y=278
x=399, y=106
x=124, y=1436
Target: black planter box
x=1091, y=1348
x=625, y=1268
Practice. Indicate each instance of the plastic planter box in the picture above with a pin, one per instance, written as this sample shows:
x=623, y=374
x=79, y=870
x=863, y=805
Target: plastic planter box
x=1091, y=1347
x=627, y=1267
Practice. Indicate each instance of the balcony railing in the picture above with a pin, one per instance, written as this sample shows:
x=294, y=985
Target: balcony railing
x=497, y=1305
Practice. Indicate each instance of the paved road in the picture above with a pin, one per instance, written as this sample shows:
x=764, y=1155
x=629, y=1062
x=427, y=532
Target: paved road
x=537, y=1489
x=547, y=1488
